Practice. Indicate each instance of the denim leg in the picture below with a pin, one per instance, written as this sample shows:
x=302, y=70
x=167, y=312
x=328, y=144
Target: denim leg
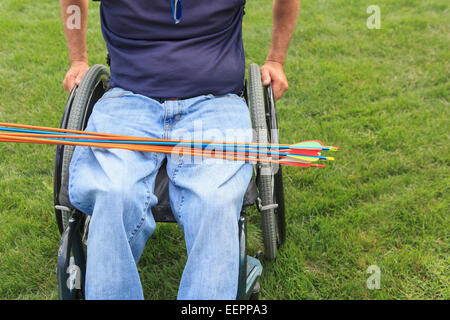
x=207, y=196
x=116, y=187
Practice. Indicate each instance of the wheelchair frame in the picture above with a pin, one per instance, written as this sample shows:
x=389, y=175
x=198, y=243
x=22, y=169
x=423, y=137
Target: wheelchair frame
x=73, y=224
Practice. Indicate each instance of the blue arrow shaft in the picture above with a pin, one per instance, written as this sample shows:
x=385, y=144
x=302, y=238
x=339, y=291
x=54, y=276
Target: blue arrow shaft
x=282, y=154
x=170, y=143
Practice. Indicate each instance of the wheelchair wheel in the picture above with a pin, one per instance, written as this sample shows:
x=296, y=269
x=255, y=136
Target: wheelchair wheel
x=278, y=195
x=78, y=109
x=269, y=176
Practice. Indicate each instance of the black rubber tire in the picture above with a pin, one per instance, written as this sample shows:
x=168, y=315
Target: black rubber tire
x=280, y=211
x=93, y=84
x=265, y=181
x=58, y=160
x=278, y=195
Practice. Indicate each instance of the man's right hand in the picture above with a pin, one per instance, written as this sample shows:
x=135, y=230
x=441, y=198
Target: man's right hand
x=76, y=40
x=75, y=74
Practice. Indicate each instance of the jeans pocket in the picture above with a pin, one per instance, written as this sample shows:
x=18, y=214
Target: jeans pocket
x=234, y=96
x=114, y=93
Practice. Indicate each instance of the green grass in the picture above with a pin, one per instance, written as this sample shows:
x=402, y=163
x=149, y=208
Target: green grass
x=381, y=95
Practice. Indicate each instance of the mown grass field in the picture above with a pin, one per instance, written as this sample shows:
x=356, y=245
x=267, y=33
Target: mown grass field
x=381, y=95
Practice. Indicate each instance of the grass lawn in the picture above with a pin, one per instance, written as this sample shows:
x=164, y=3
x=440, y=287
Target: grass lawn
x=381, y=95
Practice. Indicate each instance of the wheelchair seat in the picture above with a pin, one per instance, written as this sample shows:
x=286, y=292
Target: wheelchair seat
x=266, y=191
x=162, y=211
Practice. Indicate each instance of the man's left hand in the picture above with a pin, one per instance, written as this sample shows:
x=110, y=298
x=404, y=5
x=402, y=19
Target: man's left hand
x=272, y=73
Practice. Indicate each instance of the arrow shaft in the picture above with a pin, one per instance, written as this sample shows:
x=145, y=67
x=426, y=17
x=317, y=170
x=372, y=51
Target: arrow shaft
x=235, y=147
x=47, y=130
x=164, y=149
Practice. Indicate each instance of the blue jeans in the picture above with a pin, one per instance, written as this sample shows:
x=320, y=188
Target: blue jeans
x=116, y=187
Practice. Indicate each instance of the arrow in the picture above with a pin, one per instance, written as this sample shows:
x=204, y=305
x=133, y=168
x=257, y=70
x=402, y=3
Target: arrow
x=300, y=154
x=312, y=144
x=305, y=155
x=160, y=149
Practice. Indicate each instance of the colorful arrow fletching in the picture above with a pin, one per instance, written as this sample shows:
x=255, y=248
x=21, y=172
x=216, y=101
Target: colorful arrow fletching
x=301, y=154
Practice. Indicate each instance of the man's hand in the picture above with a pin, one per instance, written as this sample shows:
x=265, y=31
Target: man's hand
x=285, y=14
x=76, y=41
x=75, y=74
x=272, y=73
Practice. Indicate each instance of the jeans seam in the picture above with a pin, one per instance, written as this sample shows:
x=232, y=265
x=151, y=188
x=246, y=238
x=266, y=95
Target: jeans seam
x=175, y=171
x=179, y=210
x=146, y=205
x=165, y=120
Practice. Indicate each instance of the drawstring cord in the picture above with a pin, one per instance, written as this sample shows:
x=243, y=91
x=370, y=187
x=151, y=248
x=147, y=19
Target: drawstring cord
x=177, y=10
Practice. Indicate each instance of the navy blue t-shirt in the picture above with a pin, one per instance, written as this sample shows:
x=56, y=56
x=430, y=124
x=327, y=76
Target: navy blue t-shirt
x=153, y=56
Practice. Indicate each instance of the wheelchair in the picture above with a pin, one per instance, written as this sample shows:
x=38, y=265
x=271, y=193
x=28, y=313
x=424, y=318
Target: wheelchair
x=265, y=190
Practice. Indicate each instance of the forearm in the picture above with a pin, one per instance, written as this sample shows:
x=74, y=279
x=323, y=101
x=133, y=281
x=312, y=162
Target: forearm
x=75, y=25
x=285, y=13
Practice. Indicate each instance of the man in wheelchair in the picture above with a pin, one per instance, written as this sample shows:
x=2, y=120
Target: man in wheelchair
x=177, y=72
